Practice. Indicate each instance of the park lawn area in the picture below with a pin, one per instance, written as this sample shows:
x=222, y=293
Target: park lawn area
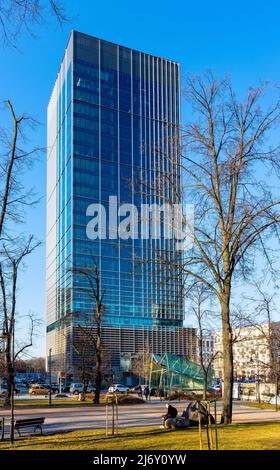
x=264, y=406
x=60, y=402
x=261, y=436
x=56, y=402
x=45, y=402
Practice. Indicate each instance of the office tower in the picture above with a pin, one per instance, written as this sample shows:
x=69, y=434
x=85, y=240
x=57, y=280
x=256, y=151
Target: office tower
x=112, y=119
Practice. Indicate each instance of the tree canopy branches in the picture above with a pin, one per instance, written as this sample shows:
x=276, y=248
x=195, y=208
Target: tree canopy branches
x=20, y=16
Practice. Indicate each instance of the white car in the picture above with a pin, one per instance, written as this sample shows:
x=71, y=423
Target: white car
x=3, y=389
x=77, y=388
x=118, y=388
x=217, y=387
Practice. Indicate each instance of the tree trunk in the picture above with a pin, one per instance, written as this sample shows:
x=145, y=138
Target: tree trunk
x=10, y=382
x=226, y=417
x=204, y=385
x=82, y=396
x=98, y=375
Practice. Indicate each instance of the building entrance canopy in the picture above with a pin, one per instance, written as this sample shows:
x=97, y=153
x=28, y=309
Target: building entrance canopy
x=170, y=370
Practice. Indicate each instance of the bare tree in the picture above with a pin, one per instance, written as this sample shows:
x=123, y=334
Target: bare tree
x=15, y=160
x=141, y=364
x=9, y=272
x=30, y=365
x=84, y=347
x=21, y=16
x=92, y=324
x=14, y=247
x=199, y=295
x=84, y=350
x=226, y=153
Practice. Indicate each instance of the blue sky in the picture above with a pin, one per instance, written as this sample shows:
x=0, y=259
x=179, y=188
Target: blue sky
x=240, y=38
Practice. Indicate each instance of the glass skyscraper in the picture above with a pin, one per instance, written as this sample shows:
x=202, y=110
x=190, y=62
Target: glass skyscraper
x=113, y=117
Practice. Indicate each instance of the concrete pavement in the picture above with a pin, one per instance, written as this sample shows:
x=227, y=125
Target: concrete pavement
x=130, y=416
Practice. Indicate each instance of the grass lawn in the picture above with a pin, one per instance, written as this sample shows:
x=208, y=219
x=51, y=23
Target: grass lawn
x=262, y=436
x=59, y=402
x=56, y=402
x=263, y=406
x=45, y=402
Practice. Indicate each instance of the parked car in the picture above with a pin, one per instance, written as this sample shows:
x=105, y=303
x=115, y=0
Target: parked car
x=217, y=388
x=53, y=387
x=21, y=389
x=38, y=390
x=4, y=389
x=77, y=388
x=118, y=388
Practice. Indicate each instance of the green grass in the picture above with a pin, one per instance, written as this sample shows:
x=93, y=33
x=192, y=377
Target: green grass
x=45, y=402
x=59, y=402
x=56, y=403
x=263, y=406
x=261, y=436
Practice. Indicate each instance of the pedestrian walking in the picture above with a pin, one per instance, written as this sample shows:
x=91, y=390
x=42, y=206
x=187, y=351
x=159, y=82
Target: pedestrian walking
x=147, y=392
x=161, y=394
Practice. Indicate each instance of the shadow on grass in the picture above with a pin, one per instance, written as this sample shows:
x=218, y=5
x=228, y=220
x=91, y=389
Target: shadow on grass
x=60, y=440
x=24, y=442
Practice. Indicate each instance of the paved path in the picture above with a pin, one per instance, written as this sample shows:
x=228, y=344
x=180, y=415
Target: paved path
x=147, y=414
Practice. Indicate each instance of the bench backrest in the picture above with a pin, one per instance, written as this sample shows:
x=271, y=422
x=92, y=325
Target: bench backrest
x=29, y=422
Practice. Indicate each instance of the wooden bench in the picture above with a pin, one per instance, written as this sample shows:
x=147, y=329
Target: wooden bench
x=35, y=423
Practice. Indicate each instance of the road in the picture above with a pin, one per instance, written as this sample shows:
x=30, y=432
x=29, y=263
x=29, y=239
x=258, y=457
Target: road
x=144, y=415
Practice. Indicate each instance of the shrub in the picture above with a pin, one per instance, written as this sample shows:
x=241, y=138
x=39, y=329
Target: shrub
x=129, y=400
x=181, y=395
x=177, y=395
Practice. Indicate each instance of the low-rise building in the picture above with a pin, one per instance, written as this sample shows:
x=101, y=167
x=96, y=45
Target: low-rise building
x=255, y=352
x=207, y=349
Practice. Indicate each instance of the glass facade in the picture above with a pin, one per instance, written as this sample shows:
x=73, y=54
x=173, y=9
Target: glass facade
x=112, y=118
